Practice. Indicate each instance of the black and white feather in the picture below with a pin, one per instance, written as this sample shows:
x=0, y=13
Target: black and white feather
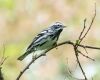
x=45, y=39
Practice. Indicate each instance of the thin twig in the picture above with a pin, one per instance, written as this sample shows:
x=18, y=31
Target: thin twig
x=85, y=50
x=86, y=56
x=90, y=24
x=82, y=29
x=2, y=62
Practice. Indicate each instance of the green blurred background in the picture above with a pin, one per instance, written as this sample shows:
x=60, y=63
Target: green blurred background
x=21, y=20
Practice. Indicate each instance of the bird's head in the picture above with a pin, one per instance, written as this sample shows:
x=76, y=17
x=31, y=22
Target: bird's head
x=58, y=26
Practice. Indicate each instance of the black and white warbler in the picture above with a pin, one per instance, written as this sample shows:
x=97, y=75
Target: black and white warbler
x=44, y=40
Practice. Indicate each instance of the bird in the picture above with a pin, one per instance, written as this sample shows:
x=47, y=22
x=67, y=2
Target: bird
x=45, y=40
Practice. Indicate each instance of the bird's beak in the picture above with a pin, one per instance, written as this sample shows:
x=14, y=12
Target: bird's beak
x=64, y=26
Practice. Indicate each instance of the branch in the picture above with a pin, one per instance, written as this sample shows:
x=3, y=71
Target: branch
x=44, y=54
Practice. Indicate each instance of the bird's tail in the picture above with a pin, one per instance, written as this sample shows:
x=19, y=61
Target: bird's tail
x=23, y=56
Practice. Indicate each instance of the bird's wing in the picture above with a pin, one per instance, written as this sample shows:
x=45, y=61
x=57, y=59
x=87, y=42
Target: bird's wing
x=39, y=39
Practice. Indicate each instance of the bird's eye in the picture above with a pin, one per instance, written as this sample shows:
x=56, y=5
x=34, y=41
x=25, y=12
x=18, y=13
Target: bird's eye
x=58, y=26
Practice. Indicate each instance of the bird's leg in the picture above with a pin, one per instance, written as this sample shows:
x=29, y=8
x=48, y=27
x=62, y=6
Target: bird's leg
x=34, y=56
x=55, y=44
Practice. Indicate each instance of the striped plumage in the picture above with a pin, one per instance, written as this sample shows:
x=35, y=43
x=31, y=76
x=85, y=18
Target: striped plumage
x=45, y=39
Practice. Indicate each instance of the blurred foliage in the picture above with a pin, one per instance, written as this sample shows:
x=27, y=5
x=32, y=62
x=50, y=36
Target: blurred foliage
x=7, y=4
